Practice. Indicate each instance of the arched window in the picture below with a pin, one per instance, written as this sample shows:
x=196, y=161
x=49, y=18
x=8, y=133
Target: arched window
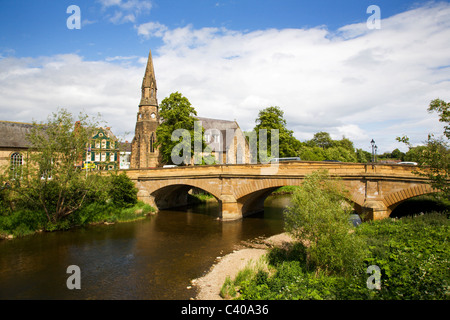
x=16, y=163
x=152, y=142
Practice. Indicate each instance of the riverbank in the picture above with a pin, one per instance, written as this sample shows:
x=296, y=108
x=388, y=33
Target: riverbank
x=28, y=222
x=209, y=286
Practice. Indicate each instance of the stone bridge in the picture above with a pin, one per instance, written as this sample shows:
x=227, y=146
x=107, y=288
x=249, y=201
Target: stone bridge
x=375, y=189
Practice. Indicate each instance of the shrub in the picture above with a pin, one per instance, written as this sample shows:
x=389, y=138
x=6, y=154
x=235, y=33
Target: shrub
x=122, y=190
x=319, y=215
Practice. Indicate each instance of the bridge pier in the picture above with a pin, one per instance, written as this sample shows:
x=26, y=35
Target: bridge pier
x=230, y=208
x=375, y=210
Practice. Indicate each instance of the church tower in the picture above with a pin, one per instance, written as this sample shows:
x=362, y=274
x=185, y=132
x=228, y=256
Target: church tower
x=144, y=154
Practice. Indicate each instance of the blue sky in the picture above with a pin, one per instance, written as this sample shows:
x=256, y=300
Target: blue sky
x=317, y=60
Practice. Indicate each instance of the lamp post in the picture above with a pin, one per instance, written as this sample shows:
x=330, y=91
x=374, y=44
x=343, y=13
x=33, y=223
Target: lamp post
x=376, y=148
x=373, y=150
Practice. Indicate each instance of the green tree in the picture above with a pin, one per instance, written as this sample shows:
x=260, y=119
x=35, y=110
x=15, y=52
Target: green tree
x=442, y=108
x=397, y=154
x=344, y=143
x=322, y=139
x=319, y=214
x=50, y=180
x=363, y=156
x=273, y=118
x=308, y=153
x=434, y=157
x=178, y=116
x=340, y=154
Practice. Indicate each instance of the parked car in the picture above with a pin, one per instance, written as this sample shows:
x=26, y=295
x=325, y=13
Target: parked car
x=408, y=162
x=285, y=159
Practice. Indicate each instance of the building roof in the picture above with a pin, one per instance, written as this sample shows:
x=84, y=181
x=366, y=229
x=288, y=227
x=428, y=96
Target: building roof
x=124, y=146
x=14, y=134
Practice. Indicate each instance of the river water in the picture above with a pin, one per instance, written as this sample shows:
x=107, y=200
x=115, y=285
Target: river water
x=154, y=258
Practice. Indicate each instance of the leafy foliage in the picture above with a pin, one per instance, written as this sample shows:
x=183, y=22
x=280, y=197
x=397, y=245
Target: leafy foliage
x=49, y=179
x=319, y=214
x=177, y=113
x=412, y=266
x=434, y=157
x=272, y=118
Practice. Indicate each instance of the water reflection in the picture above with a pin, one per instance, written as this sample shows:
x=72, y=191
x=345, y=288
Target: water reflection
x=153, y=258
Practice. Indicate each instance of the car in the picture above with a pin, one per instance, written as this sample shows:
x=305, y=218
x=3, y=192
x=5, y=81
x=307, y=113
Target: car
x=408, y=163
x=285, y=159
x=170, y=166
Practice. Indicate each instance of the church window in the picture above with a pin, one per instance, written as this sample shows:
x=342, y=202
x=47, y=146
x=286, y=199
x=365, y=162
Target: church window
x=16, y=163
x=152, y=142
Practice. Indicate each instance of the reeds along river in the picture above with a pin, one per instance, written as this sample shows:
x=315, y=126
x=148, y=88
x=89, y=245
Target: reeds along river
x=152, y=259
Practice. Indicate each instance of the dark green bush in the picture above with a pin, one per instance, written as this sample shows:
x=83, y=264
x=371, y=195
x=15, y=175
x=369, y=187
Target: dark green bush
x=122, y=190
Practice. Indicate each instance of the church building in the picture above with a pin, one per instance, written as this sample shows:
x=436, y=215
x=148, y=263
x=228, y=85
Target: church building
x=224, y=137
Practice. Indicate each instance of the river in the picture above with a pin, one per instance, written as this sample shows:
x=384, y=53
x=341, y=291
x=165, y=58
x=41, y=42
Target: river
x=152, y=259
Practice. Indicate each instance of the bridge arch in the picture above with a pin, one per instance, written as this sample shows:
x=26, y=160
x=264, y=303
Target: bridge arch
x=252, y=196
x=396, y=198
x=172, y=194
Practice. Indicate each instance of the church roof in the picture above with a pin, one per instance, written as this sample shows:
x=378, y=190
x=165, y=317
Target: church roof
x=14, y=134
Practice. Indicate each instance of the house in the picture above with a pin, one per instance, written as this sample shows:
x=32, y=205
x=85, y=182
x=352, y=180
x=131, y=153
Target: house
x=102, y=152
x=125, y=155
x=13, y=144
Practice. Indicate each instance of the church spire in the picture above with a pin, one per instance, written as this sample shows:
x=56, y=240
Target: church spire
x=148, y=97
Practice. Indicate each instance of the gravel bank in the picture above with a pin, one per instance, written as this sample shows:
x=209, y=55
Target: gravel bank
x=209, y=285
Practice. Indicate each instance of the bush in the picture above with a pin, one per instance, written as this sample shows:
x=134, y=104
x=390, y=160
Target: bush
x=320, y=215
x=412, y=253
x=122, y=191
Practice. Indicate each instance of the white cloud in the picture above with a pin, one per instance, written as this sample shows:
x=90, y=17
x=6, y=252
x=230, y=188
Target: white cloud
x=151, y=29
x=125, y=10
x=31, y=89
x=356, y=82
x=324, y=81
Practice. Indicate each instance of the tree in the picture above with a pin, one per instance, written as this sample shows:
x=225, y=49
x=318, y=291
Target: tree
x=178, y=118
x=442, y=108
x=363, y=156
x=434, y=157
x=322, y=139
x=272, y=118
x=397, y=154
x=319, y=214
x=50, y=179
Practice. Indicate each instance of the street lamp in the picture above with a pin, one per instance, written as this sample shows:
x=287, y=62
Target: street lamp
x=373, y=150
x=376, y=148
